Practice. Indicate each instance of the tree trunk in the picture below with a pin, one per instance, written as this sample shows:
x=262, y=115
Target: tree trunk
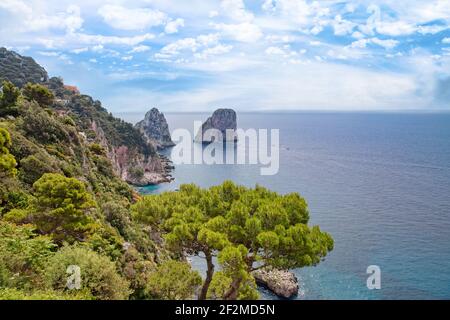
x=232, y=293
x=209, y=275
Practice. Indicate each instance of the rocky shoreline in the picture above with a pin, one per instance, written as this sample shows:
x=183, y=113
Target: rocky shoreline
x=283, y=283
x=150, y=178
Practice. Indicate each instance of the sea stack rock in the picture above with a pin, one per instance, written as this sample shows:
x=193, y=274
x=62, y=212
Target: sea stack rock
x=283, y=283
x=155, y=128
x=221, y=120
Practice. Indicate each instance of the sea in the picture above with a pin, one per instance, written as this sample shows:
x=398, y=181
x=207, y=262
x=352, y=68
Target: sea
x=379, y=183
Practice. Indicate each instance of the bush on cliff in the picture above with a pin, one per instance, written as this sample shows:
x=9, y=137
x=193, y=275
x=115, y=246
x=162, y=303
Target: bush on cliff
x=164, y=282
x=9, y=96
x=36, y=92
x=98, y=274
x=62, y=207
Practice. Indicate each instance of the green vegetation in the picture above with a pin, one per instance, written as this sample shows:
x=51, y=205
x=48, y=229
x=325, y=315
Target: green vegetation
x=36, y=92
x=62, y=207
x=100, y=276
x=7, y=161
x=23, y=254
x=165, y=282
x=246, y=228
x=62, y=203
x=9, y=96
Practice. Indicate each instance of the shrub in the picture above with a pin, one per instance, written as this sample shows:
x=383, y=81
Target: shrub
x=136, y=172
x=43, y=127
x=97, y=149
x=62, y=207
x=34, y=166
x=173, y=280
x=42, y=95
x=107, y=241
x=69, y=121
x=23, y=255
x=98, y=274
x=7, y=161
x=15, y=294
x=8, y=99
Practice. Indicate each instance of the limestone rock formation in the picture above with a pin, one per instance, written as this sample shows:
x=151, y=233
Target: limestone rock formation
x=19, y=69
x=221, y=120
x=155, y=128
x=282, y=283
x=132, y=165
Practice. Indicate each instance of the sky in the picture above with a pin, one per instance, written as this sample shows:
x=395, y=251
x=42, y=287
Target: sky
x=250, y=55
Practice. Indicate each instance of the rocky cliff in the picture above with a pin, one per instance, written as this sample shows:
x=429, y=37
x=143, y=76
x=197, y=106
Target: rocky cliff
x=222, y=120
x=281, y=282
x=133, y=158
x=155, y=128
x=20, y=70
x=131, y=164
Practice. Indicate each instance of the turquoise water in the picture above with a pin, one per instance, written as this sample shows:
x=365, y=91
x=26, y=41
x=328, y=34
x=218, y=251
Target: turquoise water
x=379, y=183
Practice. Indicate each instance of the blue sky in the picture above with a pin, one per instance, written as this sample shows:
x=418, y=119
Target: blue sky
x=244, y=54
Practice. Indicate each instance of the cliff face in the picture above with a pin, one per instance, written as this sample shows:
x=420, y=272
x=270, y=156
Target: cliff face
x=133, y=158
x=222, y=120
x=20, y=70
x=131, y=165
x=155, y=128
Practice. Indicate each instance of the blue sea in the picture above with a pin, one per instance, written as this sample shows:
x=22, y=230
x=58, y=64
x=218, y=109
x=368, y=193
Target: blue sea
x=378, y=182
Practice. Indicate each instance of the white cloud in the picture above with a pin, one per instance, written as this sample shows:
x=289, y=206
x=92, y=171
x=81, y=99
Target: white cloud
x=29, y=20
x=49, y=53
x=103, y=40
x=213, y=51
x=236, y=10
x=315, y=43
x=180, y=45
x=139, y=49
x=127, y=58
x=446, y=40
x=208, y=39
x=431, y=29
x=335, y=55
x=243, y=32
x=362, y=43
x=357, y=35
x=286, y=38
x=274, y=51
x=213, y=14
x=120, y=17
x=294, y=86
x=174, y=25
x=396, y=28
x=416, y=17
x=268, y=5
x=98, y=48
x=342, y=27
x=387, y=43
x=16, y=6
x=69, y=20
x=80, y=50
x=189, y=45
x=300, y=11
